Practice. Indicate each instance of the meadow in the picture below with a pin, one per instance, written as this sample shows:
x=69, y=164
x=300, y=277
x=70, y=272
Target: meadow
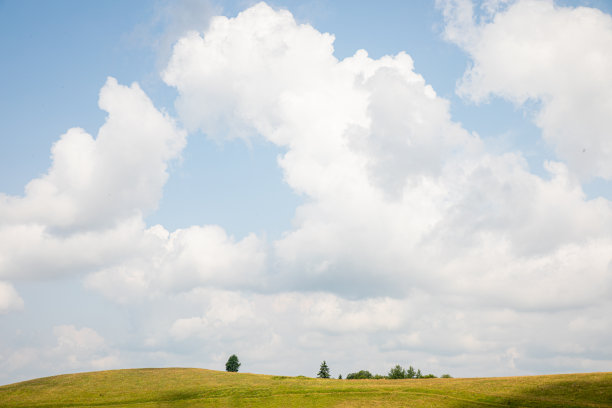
x=190, y=387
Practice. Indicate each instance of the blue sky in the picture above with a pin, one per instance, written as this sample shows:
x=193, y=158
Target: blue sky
x=449, y=210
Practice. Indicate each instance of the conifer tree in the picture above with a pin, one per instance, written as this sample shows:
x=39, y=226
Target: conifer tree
x=324, y=370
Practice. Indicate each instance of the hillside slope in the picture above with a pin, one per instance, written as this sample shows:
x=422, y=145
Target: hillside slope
x=190, y=387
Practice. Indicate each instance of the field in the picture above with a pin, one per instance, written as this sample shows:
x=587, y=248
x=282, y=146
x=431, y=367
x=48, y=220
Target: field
x=190, y=387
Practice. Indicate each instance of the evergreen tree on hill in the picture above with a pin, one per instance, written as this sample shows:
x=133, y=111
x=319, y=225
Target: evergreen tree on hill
x=232, y=364
x=324, y=370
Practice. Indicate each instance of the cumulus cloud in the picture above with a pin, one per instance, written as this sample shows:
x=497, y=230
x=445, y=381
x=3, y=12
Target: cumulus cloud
x=86, y=214
x=535, y=50
x=400, y=196
x=87, y=210
x=95, y=183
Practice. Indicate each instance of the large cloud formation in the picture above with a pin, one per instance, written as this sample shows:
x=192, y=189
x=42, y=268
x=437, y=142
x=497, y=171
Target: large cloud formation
x=86, y=211
x=402, y=200
x=556, y=56
x=414, y=243
x=399, y=196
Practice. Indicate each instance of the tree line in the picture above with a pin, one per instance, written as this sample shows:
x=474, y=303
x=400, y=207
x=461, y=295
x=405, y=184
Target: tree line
x=396, y=373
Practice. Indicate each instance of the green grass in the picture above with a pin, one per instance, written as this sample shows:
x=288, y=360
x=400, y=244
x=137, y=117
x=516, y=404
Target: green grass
x=190, y=387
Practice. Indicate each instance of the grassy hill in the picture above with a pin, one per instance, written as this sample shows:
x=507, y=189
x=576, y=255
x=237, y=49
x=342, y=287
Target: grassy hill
x=190, y=387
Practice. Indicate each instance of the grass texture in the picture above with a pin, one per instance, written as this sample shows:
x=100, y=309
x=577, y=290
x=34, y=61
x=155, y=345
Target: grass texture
x=190, y=387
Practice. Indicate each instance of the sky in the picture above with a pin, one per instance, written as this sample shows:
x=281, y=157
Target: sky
x=422, y=183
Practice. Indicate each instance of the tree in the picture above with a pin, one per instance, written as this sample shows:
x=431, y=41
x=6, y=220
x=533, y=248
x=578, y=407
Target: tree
x=361, y=375
x=397, y=373
x=324, y=370
x=419, y=374
x=446, y=376
x=410, y=373
x=232, y=364
x=339, y=376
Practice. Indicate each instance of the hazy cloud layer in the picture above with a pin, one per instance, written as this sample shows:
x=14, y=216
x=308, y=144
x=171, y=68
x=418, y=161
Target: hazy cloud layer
x=415, y=243
x=9, y=298
x=71, y=349
x=170, y=21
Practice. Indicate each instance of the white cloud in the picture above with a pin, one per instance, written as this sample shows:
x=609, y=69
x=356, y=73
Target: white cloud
x=558, y=56
x=226, y=311
x=183, y=260
x=9, y=298
x=81, y=349
x=85, y=215
x=31, y=251
x=333, y=314
x=69, y=338
x=399, y=195
x=86, y=211
x=96, y=183
x=72, y=349
x=430, y=332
